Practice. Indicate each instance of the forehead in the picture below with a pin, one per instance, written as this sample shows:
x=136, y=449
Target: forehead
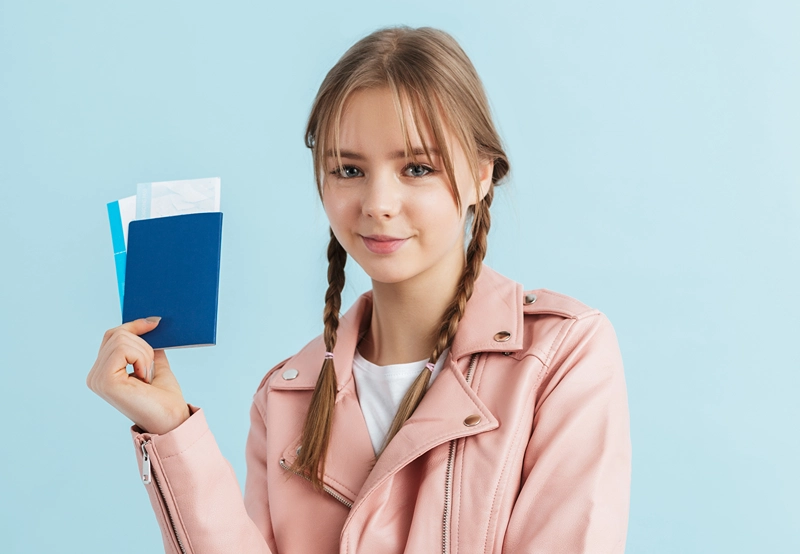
x=371, y=121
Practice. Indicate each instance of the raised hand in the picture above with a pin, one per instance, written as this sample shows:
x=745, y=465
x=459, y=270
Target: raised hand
x=150, y=396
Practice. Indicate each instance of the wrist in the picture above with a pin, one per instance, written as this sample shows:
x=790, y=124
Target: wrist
x=183, y=415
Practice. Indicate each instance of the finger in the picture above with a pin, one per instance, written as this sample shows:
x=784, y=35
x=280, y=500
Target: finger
x=110, y=361
x=151, y=372
x=142, y=365
x=111, y=368
x=135, y=340
x=141, y=326
x=163, y=372
x=136, y=327
x=128, y=351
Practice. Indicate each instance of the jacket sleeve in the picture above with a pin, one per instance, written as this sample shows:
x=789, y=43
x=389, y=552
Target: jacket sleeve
x=194, y=492
x=575, y=490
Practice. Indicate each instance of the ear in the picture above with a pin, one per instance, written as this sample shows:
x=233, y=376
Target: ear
x=485, y=172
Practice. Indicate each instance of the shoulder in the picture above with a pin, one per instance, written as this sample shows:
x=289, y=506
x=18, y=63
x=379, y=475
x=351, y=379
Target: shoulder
x=311, y=351
x=260, y=396
x=557, y=324
x=499, y=292
x=271, y=372
x=548, y=302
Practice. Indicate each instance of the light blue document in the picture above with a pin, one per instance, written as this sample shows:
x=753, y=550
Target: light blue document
x=159, y=199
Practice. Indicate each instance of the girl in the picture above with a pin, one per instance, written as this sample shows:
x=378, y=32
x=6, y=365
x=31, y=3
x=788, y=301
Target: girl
x=447, y=410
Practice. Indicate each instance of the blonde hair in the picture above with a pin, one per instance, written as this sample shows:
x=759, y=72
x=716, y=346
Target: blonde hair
x=426, y=71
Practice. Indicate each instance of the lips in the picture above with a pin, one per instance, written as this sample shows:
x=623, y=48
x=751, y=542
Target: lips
x=382, y=244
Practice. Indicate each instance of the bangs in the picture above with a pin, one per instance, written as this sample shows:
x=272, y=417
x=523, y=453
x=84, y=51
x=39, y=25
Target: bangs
x=426, y=111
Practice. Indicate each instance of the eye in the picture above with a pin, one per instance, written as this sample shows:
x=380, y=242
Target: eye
x=347, y=172
x=417, y=170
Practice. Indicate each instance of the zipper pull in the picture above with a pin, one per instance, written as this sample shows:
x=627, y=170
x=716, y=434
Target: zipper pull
x=145, y=465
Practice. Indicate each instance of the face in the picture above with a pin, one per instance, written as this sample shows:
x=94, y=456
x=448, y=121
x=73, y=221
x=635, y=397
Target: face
x=397, y=219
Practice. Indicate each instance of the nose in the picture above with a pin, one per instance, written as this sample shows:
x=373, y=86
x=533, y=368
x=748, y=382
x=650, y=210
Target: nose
x=382, y=197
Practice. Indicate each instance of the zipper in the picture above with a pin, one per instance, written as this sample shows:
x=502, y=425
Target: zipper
x=471, y=366
x=146, y=474
x=447, y=483
x=448, y=480
x=325, y=487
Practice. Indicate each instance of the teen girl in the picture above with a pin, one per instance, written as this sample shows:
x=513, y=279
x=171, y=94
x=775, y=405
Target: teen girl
x=448, y=409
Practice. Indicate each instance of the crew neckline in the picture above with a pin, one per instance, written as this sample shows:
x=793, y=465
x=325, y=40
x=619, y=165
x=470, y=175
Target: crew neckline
x=399, y=370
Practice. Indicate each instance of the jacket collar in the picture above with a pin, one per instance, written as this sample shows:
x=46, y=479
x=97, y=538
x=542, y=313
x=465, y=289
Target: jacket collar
x=495, y=307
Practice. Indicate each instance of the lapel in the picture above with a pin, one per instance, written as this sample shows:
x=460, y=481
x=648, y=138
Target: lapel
x=350, y=454
x=496, y=305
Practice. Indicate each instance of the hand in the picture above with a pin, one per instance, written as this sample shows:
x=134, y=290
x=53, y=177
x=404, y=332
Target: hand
x=150, y=396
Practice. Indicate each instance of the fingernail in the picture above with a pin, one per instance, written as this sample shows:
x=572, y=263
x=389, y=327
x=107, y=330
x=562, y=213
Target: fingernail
x=152, y=371
x=153, y=319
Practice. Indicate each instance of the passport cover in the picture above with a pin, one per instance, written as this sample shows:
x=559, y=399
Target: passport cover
x=172, y=271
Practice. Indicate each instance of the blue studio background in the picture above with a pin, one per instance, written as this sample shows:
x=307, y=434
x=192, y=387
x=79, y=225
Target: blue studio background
x=655, y=176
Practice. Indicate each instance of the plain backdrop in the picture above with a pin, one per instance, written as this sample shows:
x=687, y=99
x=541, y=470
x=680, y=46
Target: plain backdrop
x=655, y=175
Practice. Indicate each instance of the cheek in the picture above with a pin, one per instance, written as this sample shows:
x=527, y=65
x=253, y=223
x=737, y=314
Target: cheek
x=437, y=216
x=338, y=207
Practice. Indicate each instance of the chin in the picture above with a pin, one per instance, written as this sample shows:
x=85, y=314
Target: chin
x=388, y=271
x=389, y=276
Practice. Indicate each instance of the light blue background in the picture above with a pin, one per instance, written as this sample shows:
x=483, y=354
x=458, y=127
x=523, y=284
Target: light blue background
x=655, y=150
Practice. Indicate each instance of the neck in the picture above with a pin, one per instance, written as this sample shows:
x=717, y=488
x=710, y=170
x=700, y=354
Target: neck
x=406, y=316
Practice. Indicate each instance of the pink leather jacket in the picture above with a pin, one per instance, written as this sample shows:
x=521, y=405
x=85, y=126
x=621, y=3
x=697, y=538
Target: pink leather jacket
x=521, y=444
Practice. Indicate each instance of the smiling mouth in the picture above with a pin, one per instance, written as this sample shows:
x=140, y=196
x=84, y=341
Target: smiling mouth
x=382, y=244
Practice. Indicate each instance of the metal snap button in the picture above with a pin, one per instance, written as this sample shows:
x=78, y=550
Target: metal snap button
x=298, y=450
x=290, y=374
x=472, y=420
x=530, y=298
x=502, y=336
x=506, y=353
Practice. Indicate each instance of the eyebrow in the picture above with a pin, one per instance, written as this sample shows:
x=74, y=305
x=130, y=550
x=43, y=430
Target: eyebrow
x=394, y=155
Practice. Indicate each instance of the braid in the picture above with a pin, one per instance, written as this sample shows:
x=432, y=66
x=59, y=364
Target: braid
x=317, y=427
x=476, y=251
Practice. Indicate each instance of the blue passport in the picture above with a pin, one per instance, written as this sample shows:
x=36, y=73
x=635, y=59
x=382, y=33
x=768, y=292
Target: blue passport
x=172, y=271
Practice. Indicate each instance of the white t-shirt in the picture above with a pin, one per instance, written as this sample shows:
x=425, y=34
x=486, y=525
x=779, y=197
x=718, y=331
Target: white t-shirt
x=381, y=389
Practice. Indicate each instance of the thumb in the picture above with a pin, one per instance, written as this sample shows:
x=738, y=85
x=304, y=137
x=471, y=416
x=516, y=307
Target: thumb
x=142, y=325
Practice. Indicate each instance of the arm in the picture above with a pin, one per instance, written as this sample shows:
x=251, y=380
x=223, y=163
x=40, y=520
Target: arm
x=194, y=491
x=575, y=489
x=256, y=500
